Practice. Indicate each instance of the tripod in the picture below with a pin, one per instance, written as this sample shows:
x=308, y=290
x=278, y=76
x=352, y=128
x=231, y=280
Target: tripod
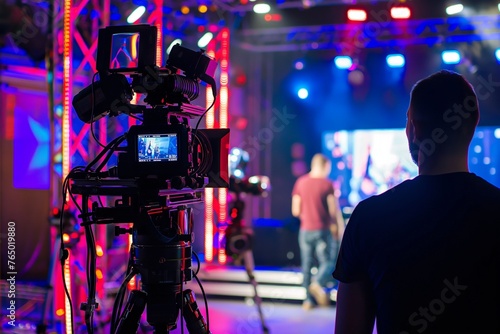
x=239, y=245
x=160, y=253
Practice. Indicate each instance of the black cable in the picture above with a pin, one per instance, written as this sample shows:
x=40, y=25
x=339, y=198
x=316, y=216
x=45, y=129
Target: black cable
x=111, y=150
x=74, y=200
x=91, y=279
x=63, y=256
x=198, y=124
x=117, y=306
x=205, y=301
x=66, y=189
x=198, y=262
x=106, y=149
x=195, y=274
x=203, y=115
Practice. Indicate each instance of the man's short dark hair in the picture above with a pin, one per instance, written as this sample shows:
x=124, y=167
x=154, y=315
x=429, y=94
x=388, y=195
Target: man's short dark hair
x=445, y=100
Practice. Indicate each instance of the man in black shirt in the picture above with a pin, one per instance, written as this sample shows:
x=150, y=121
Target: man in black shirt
x=424, y=257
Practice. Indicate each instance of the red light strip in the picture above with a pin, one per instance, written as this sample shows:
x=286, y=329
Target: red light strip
x=209, y=193
x=66, y=87
x=67, y=307
x=156, y=19
x=209, y=224
x=223, y=122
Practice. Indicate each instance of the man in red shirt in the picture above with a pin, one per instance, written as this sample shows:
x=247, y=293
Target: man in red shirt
x=314, y=202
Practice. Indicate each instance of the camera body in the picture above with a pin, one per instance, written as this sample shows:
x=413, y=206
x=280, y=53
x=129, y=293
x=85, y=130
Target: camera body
x=161, y=151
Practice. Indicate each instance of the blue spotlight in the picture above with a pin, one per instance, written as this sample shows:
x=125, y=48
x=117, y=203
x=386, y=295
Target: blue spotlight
x=451, y=57
x=343, y=62
x=302, y=93
x=497, y=51
x=395, y=60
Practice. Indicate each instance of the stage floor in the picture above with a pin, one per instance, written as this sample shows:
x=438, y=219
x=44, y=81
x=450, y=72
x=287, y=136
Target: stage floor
x=231, y=315
x=242, y=317
x=230, y=302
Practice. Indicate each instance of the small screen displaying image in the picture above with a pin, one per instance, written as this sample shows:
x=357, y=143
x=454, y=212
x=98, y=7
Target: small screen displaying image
x=157, y=147
x=124, y=51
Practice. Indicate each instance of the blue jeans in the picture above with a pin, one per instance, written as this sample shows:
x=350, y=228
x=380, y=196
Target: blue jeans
x=316, y=244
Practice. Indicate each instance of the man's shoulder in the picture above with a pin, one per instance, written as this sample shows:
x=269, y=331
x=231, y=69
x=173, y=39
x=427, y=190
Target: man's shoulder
x=485, y=185
x=395, y=193
x=475, y=186
x=301, y=179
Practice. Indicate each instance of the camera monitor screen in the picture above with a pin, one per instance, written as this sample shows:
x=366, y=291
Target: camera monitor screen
x=157, y=147
x=124, y=51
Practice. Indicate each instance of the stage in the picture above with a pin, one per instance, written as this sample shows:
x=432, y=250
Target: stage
x=230, y=303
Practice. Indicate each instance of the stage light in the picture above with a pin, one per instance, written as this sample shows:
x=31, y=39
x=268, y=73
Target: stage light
x=395, y=60
x=272, y=17
x=202, y=9
x=343, y=62
x=497, y=54
x=400, y=12
x=356, y=15
x=98, y=274
x=299, y=65
x=205, y=39
x=261, y=8
x=302, y=93
x=99, y=251
x=136, y=14
x=454, y=9
x=451, y=57
x=185, y=10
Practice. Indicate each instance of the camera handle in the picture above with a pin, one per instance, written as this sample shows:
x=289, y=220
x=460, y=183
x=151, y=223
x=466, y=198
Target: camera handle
x=247, y=257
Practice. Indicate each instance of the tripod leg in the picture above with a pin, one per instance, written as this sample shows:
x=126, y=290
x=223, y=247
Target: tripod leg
x=131, y=316
x=195, y=322
x=249, y=266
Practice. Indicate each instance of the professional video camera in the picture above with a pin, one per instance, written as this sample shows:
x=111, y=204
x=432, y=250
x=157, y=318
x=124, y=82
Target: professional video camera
x=161, y=171
x=164, y=146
